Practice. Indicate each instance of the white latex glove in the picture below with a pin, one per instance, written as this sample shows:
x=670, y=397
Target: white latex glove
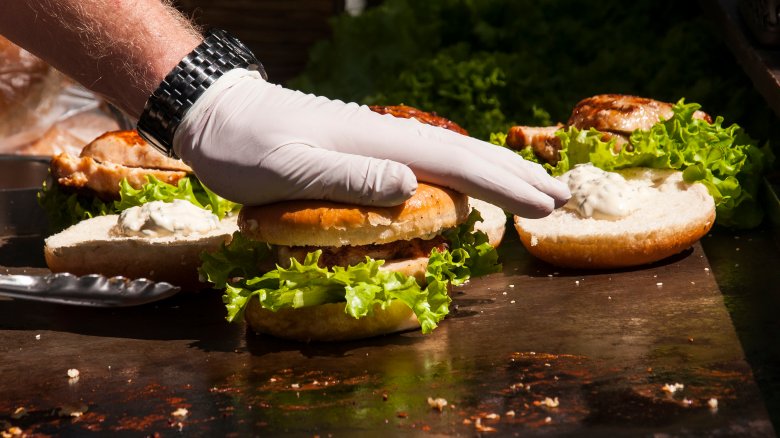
x=254, y=143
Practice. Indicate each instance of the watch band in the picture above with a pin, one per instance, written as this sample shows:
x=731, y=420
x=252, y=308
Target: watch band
x=219, y=53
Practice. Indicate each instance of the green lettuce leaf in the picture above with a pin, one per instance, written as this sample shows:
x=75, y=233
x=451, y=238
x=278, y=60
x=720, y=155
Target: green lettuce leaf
x=725, y=159
x=188, y=188
x=361, y=287
x=65, y=209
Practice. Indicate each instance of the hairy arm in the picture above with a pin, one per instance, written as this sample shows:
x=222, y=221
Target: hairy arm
x=121, y=49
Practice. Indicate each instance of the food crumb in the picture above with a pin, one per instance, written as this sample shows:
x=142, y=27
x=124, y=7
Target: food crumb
x=492, y=416
x=577, y=282
x=659, y=284
x=548, y=402
x=72, y=411
x=503, y=293
x=19, y=413
x=674, y=387
x=510, y=413
x=707, y=269
x=12, y=431
x=512, y=302
x=480, y=428
x=37, y=337
x=548, y=420
x=73, y=373
x=295, y=385
x=511, y=285
x=466, y=421
x=713, y=404
x=180, y=413
x=401, y=414
x=534, y=241
x=687, y=402
x=609, y=297
x=437, y=403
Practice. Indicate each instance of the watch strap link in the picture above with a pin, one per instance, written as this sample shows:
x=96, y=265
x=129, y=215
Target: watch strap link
x=216, y=55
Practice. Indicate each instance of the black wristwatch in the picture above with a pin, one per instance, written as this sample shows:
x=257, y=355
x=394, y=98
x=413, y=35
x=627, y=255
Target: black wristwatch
x=219, y=53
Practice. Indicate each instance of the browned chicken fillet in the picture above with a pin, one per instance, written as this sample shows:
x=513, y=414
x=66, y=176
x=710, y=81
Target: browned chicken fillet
x=541, y=139
x=84, y=173
x=622, y=114
x=615, y=115
x=408, y=112
x=129, y=149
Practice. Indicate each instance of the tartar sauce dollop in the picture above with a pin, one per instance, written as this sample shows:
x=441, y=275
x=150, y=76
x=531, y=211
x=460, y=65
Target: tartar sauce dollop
x=159, y=219
x=600, y=194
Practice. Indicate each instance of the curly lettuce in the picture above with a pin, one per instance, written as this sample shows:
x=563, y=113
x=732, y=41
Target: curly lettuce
x=65, y=209
x=723, y=158
x=361, y=287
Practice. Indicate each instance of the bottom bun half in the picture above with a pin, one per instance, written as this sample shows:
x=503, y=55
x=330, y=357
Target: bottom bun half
x=88, y=248
x=329, y=322
x=671, y=218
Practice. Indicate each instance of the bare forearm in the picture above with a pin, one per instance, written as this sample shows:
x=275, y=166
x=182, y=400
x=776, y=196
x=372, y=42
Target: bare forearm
x=121, y=49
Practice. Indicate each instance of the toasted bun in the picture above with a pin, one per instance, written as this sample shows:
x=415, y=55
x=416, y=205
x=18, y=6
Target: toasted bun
x=87, y=248
x=493, y=220
x=673, y=217
x=323, y=223
x=329, y=322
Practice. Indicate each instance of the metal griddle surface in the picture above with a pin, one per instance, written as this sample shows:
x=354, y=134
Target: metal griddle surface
x=603, y=344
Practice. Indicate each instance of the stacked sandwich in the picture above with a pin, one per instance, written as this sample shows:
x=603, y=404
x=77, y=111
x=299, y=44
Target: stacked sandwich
x=128, y=210
x=647, y=179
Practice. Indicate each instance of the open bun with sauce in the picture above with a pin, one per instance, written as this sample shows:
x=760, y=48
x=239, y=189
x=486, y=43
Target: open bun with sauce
x=620, y=219
x=99, y=246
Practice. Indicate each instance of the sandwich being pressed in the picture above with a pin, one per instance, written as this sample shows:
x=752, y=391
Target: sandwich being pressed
x=326, y=271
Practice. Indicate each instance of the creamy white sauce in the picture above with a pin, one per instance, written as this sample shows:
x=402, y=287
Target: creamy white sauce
x=159, y=219
x=599, y=194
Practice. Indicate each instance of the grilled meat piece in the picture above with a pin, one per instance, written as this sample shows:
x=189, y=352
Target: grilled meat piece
x=408, y=112
x=541, y=139
x=352, y=255
x=85, y=174
x=129, y=149
x=622, y=114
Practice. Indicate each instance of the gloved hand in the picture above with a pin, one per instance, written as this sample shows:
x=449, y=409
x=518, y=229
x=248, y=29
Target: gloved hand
x=254, y=142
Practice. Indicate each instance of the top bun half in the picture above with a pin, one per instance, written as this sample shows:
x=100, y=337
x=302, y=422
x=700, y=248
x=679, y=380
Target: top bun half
x=323, y=223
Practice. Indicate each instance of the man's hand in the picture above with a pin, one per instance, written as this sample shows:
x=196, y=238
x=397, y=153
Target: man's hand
x=255, y=143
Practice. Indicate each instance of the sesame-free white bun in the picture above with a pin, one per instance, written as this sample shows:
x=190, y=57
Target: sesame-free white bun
x=672, y=216
x=329, y=322
x=322, y=223
x=493, y=220
x=88, y=248
x=426, y=214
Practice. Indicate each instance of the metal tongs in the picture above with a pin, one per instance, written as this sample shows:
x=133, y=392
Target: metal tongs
x=89, y=290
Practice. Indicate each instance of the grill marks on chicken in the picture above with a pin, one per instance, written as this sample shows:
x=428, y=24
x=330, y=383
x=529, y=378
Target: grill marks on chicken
x=622, y=114
x=109, y=159
x=408, y=112
x=352, y=255
x=615, y=115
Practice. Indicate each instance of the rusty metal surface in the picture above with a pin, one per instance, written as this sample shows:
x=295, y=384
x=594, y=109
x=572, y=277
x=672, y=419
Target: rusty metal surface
x=603, y=344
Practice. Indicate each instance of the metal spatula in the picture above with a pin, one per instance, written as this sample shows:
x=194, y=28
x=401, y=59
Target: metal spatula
x=89, y=290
